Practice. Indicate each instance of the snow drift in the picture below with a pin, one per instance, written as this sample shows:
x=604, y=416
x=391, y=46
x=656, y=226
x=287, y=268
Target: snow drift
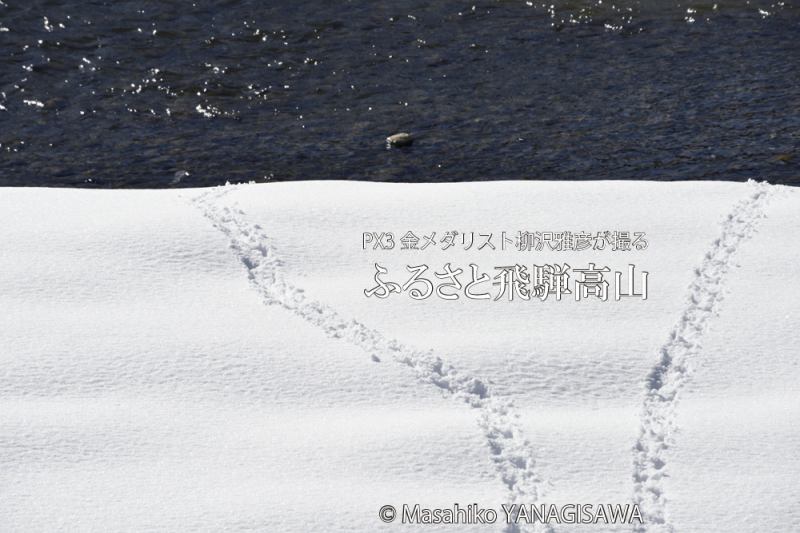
x=207, y=360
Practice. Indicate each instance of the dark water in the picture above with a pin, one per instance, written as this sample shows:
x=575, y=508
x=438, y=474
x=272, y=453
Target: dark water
x=127, y=94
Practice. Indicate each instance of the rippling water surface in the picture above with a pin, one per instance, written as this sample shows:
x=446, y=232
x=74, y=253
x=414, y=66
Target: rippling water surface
x=164, y=94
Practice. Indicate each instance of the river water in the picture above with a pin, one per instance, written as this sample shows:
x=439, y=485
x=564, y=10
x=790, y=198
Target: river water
x=175, y=94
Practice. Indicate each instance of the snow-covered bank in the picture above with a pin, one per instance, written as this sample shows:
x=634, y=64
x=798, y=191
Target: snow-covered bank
x=146, y=385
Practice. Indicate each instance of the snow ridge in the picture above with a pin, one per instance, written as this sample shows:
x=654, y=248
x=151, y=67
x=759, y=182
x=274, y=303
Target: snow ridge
x=665, y=381
x=509, y=450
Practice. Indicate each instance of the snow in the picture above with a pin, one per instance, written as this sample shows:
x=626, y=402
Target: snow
x=207, y=360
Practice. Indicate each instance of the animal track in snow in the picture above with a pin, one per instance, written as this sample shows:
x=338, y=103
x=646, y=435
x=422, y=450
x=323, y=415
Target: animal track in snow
x=509, y=450
x=668, y=376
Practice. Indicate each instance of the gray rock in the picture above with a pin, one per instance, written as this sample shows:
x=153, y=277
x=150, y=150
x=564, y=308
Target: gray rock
x=399, y=139
x=178, y=176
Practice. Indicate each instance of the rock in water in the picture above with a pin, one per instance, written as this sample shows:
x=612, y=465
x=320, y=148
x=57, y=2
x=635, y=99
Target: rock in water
x=399, y=139
x=178, y=176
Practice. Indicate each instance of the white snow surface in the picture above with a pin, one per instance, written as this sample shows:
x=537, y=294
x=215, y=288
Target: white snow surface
x=206, y=360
